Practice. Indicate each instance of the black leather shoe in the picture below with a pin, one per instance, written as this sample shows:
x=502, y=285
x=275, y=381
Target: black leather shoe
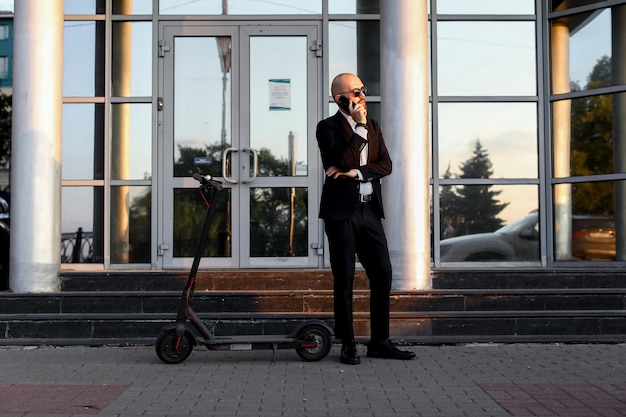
x=387, y=350
x=349, y=355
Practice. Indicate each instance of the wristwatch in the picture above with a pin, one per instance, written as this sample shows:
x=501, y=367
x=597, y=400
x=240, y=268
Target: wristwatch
x=361, y=124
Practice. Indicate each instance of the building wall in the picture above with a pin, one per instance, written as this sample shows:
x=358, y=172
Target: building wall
x=525, y=120
x=6, y=52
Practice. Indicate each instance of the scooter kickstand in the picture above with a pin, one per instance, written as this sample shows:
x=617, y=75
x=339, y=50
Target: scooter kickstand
x=274, y=347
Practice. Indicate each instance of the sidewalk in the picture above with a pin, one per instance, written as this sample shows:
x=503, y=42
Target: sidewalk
x=479, y=380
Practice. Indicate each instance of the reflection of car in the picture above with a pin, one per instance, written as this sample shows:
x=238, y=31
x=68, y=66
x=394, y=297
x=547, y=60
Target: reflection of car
x=593, y=237
x=4, y=244
x=517, y=241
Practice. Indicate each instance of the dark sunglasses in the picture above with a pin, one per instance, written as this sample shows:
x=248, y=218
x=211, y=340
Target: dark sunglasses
x=357, y=91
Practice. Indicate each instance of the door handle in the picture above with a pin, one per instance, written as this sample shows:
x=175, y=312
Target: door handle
x=255, y=165
x=224, y=170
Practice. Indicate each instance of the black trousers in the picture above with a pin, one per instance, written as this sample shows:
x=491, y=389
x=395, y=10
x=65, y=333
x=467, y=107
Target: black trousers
x=363, y=235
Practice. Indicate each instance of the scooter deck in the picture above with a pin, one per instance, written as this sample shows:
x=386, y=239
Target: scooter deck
x=248, y=342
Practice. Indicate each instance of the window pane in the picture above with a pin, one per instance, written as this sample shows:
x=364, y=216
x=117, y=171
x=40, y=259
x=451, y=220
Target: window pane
x=189, y=215
x=5, y=66
x=202, y=103
x=84, y=6
x=5, y=32
x=278, y=222
x=83, y=149
x=589, y=221
x=131, y=67
x=130, y=224
x=502, y=135
x=485, y=223
x=131, y=141
x=589, y=135
x=82, y=224
x=486, y=58
x=236, y=7
x=83, y=63
x=485, y=7
x=585, y=41
x=352, y=48
x=132, y=7
x=353, y=6
x=278, y=130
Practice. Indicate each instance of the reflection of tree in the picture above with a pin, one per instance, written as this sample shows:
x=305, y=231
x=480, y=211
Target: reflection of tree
x=185, y=165
x=592, y=143
x=472, y=208
x=270, y=221
x=269, y=210
x=189, y=214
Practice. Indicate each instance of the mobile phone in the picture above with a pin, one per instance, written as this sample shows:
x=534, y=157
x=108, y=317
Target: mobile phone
x=344, y=103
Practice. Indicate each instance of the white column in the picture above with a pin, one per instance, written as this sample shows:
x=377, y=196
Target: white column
x=36, y=146
x=404, y=97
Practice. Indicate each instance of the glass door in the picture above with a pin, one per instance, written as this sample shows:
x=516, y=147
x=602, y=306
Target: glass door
x=240, y=103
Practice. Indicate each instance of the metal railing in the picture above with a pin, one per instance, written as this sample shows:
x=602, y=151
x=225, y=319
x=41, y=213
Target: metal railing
x=77, y=247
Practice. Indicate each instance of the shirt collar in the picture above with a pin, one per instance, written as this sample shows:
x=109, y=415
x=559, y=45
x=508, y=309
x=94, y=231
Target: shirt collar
x=349, y=119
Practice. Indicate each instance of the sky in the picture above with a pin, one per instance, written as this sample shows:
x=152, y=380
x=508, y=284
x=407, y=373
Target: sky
x=6, y=5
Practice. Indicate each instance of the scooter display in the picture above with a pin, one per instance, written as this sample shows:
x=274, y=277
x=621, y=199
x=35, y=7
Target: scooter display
x=311, y=339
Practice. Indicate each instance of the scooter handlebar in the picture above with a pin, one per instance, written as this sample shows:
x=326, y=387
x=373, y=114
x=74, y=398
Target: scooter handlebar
x=208, y=180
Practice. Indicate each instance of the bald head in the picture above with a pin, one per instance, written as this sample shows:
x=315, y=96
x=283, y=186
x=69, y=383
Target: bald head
x=344, y=82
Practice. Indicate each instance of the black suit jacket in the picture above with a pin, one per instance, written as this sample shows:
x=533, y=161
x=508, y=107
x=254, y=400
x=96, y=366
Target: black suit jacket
x=340, y=147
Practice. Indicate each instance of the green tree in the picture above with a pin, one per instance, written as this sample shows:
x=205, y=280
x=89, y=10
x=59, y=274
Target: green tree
x=478, y=203
x=5, y=129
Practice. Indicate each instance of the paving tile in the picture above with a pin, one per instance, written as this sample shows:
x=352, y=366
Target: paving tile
x=56, y=399
x=563, y=400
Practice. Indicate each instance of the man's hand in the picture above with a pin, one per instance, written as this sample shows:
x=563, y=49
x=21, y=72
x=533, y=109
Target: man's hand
x=335, y=173
x=359, y=113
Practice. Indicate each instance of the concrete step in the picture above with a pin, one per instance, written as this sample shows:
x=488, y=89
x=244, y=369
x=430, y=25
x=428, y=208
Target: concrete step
x=214, y=280
x=131, y=308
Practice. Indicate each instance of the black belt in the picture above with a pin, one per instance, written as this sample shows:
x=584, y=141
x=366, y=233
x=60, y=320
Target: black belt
x=365, y=198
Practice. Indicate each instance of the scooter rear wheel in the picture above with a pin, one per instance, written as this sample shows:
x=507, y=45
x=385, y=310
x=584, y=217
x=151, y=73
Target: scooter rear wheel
x=322, y=339
x=172, y=350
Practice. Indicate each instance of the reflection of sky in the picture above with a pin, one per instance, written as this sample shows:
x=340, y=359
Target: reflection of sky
x=78, y=81
x=486, y=7
x=198, y=105
x=486, y=58
x=254, y=7
x=589, y=44
x=278, y=58
x=507, y=131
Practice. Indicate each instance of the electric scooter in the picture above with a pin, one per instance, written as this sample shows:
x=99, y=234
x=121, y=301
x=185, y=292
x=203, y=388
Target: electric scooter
x=312, y=339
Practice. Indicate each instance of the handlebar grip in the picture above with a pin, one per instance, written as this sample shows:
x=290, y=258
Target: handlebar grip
x=207, y=180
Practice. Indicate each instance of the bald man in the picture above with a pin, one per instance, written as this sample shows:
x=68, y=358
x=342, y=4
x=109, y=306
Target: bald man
x=355, y=160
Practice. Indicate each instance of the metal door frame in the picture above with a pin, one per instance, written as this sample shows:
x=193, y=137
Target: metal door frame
x=241, y=32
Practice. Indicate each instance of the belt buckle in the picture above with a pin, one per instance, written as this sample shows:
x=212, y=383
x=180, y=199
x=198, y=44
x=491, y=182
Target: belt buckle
x=365, y=198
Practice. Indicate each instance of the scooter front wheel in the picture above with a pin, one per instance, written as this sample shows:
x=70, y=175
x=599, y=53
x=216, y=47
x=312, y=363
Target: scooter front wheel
x=320, y=339
x=174, y=349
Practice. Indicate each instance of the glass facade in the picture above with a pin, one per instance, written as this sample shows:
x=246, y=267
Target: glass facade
x=527, y=103
x=587, y=86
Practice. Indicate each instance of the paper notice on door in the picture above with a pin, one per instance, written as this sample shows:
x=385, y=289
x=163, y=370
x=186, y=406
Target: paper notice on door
x=280, y=94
